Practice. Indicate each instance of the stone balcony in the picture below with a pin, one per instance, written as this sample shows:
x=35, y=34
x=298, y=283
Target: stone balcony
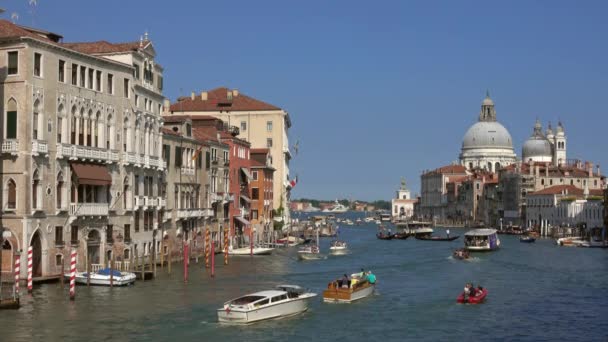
x=162, y=203
x=187, y=171
x=221, y=197
x=10, y=146
x=74, y=152
x=40, y=147
x=89, y=209
x=145, y=161
x=150, y=201
x=139, y=202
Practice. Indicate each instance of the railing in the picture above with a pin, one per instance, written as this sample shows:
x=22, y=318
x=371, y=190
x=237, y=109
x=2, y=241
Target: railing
x=96, y=267
x=86, y=152
x=162, y=202
x=122, y=265
x=207, y=212
x=10, y=146
x=139, y=201
x=40, y=147
x=89, y=209
x=187, y=171
x=150, y=201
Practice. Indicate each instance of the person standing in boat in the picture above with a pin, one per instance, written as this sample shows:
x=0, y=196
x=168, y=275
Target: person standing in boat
x=448, y=233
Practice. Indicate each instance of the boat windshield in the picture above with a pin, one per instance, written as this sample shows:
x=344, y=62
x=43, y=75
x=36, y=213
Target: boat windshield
x=246, y=300
x=475, y=240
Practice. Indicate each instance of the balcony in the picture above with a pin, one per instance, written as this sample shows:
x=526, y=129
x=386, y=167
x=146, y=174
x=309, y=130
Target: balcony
x=40, y=147
x=207, y=212
x=187, y=171
x=221, y=197
x=150, y=201
x=86, y=153
x=89, y=209
x=215, y=160
x=162, y=203
x=139, y=202
x=10, y=146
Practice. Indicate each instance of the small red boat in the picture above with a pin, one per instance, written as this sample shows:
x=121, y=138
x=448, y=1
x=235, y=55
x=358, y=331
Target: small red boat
x=477, y=299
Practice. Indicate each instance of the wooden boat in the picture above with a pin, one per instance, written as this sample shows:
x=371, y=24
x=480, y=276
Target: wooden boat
x=527, y=239
x=461, y=254
x=401, y=236
x=437, y=238
x=358, y=289
x=478, y=298
x=384, y=236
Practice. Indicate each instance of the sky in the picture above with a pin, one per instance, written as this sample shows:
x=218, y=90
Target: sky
x=376, y=91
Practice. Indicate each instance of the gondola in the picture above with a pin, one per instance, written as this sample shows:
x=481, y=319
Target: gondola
x=401, y=236
x=385, y=236
x=527, y=239
x=437, y=238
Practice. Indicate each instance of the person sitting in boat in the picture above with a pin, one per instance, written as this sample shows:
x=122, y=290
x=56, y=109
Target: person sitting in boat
x=472, y=290
x=371, y=278
x=345, y=283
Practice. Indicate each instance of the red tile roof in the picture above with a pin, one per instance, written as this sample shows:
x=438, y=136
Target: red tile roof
x=103, y=46
x=10, y=30
x=567, y=190
x=169, y=131
x=217, y=100
x=448, y=169
x=259, y=150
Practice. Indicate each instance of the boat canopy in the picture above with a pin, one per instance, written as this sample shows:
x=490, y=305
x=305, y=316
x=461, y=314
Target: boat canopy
x=107, y=271
x=290, y=288
x=481, y=232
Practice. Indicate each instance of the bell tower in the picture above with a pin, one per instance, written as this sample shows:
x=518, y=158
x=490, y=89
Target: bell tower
x=488, y=112
x=559, y=146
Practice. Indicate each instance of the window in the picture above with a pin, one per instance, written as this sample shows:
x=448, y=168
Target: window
x=61, y=75
x=74, y=235
x=136, y=71
x=127, y=233
x=126, y=90
x=82, y=75
x=178, y=156
x=110, y=84
x=11, y=120
x=90, y=79
x=110, y=233
x=269, y=142
x=98, y=81
x=58, y=260
x=160, y=82
x=189, y=130
x=254, y=175
x=167, y=154
x=255, y=193
x=243, y=126
x=269, y=126
x=207, y=160
x=37, y=64
x=74, y=74
x=13, y=63
x=58, y=235
x=254, y=214
x=11, y=202
x=136, y=100
x=136, y=220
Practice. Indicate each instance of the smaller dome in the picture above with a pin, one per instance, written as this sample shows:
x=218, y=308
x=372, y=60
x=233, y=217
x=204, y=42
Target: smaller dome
x=536, y=147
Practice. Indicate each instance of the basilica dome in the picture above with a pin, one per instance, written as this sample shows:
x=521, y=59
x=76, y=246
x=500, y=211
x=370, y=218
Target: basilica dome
x=487, y=134
x=537, y=148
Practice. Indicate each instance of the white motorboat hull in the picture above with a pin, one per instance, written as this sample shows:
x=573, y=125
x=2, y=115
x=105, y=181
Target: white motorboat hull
x=280, y=310
x=368, y=291
x=338, y=250
x=103, y=280
x=310, y=256
x=245, y=251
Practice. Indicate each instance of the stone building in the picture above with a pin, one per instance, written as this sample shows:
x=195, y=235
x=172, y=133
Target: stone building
x=261, y=124
x=434, y=194
x=487, y=144
x=402, y=206
x=80, y=138
x=564, y=206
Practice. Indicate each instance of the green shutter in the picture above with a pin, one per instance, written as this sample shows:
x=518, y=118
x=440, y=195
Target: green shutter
x=11, y=125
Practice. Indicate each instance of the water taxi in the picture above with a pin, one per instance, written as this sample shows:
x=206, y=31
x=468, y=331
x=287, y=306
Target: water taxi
x=359, y=288
x=284, y=301
x=244, y=251
x=484, y=239
x=338, y=247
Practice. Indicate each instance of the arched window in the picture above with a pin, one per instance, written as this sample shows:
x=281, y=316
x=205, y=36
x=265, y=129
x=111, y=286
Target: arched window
x=11, y=195
x=542, y=182
x=90, y=128
x=73, y=128
x=61, y=133
x=11, y=119
x=496, y=167
x=97, y=131
x=125, y=134
x=36, y=191
x=36, y=121
x=81, y=127
x=126, y=194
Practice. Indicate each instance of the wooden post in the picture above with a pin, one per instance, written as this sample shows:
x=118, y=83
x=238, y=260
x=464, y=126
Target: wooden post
x=213, y=258
x=169, y=259
x=207, y=247
x=62, y=270
x=88, y=271
x=112, y=271
x=162, y=258
x=131, y=259
x=143, y=267
x=136, y=265
x=154, y=262
x=185, y=262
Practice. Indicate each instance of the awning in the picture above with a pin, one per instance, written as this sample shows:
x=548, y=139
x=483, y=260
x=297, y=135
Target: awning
x=242, y=220
x=245, y=198
x=246, y=173
x=91, y=174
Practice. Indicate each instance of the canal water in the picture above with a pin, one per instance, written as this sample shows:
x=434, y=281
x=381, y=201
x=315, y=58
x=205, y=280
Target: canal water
x=537, y=292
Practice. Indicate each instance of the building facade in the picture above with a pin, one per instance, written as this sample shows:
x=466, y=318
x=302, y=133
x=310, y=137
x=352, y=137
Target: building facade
x=402, y=206
x=434, y=191
x=80, y=133
x=262, y=193
x=261, y=124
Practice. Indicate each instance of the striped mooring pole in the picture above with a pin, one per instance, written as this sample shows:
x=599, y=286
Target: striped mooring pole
x=30, y=283
x=17, y=272
x=73, y=275
x=226, y=246
x=207, y=247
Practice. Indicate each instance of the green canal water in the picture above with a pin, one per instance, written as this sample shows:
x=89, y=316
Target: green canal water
x=537, y=292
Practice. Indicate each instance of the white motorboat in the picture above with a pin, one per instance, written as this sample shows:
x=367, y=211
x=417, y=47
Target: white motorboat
x=257, y=250
x=369, y=219
x=570, y=241
x=285, y=301
x=311, y=252
x=290, y=241
x=104, y=277
x=338, y=208
x=338, y=247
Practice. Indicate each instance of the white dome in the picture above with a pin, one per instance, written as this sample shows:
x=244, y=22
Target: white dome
x=536, y=147
x=487, y=134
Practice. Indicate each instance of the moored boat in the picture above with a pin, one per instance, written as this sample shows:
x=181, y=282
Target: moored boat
x=569, y=241
x=384, y=236
x=290, y=241
x=360, y=286
x=478, y=298
x=104, y=277
x=401, y=236
x=484, y=239
x=244, y=251
x=437, y=238
x=527, y=239
x=286, y=300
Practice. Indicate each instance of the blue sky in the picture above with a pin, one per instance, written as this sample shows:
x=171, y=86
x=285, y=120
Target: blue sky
x=376, y=91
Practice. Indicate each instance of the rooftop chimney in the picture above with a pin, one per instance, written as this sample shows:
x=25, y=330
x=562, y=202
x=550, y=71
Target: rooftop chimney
x=590, y=169
x=598, y=170
x=167, y=105
x=235, y=92
x=204, y=96
x=192, y=96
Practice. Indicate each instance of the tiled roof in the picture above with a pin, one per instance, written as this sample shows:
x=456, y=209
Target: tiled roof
x=175, y=118
x=567, y=190
x=259, y=150
x=103, y=46
x=169, y=131
x=10, y=30
x=217, y=100
x=448, y=169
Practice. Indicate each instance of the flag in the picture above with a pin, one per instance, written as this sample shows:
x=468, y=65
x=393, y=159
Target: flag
x=293, y=182
x=195, y=155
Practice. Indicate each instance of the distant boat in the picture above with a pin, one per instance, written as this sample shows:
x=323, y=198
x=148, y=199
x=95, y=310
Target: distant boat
x=338, y=247
x=257, y=250
x=338, y=208
x=437, y=238
x=484, y=239
x=527, y=239
x=104, y=277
